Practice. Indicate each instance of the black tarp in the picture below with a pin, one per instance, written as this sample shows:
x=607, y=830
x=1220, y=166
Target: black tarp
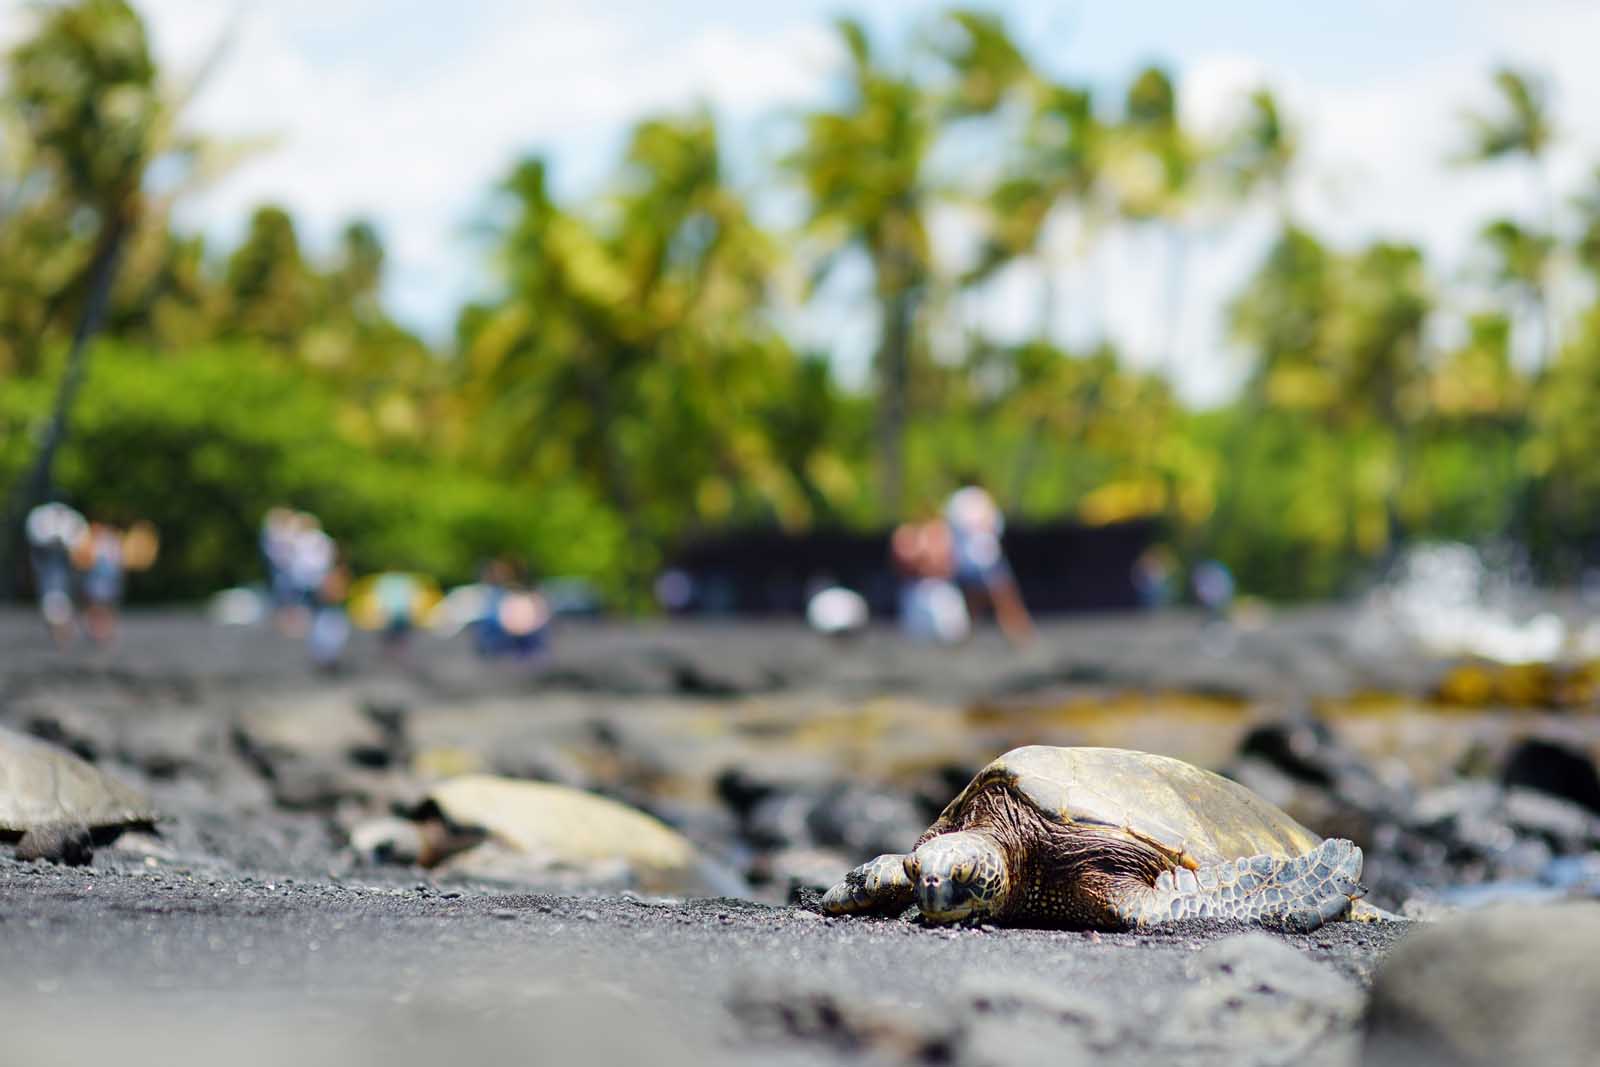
x=1060, y=567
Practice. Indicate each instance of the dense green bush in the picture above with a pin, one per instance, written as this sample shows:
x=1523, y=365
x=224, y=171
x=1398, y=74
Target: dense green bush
x=204, y=443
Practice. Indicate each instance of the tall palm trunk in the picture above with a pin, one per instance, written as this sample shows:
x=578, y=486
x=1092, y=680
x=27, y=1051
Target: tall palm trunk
x=38, y=481
x=894, y=381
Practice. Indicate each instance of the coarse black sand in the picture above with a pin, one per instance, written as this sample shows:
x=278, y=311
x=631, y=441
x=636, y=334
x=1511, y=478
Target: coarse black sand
x=159, y=965
x=247, y=936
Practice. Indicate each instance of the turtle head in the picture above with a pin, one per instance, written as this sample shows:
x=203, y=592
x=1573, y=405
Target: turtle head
x=959, y=876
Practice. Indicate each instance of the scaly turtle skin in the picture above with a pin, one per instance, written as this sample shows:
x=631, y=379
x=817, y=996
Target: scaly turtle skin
x=1111, y=839
x=56, y=806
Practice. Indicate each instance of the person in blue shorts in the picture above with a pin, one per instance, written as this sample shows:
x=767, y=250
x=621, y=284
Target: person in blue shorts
x=980, y=569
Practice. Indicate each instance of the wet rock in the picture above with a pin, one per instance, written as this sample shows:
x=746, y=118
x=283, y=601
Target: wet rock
x=865, y=821
x=1514, y=985
x=1301, y=765
x=318, y=753
x=1466, y=833
x=330, y=728
x=171, y=745
x=784, y=811
x=84, y=733
x=1493, y=833
x=1566, y=827
x=779, y=820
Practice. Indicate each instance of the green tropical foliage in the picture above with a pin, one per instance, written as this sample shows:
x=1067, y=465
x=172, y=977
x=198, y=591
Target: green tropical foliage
x=631, y=378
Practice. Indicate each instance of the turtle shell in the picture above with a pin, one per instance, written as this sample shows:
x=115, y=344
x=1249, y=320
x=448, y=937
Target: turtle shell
x=561, y=824
x=42, y=785
x=1197, y=817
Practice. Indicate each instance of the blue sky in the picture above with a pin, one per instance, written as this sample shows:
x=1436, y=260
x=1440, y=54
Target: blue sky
x=407, y=111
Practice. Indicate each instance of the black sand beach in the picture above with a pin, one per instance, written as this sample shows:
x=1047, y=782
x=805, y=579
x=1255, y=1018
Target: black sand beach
x=249, y=932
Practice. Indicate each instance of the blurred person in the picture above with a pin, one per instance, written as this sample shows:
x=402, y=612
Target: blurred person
x=931, y=607
x=311, y=557
x=1213, y=588
x=328, y=630
x=514, y=619
x=979, y=566
x=278, y=528
x=99, y=560
x=1152, y=577
x=674, y=590
x=54, y=532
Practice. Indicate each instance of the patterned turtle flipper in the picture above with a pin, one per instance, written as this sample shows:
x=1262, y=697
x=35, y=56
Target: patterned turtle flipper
x=1298, y=894
x=879, y=885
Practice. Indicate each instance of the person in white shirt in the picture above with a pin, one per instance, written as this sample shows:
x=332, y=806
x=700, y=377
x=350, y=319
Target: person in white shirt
x=55, y=533
x=980, y=569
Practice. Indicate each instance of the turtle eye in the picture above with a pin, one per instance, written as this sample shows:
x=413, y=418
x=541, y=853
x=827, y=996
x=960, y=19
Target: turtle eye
x=962, y=872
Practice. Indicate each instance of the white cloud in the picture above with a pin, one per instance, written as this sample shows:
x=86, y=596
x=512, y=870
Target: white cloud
x=407, y=111
x=13, y=24
x=418, y=148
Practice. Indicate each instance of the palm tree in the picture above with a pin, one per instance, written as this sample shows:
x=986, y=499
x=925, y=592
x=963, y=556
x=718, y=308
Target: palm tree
x=1262, y=151
x=85, y=86
x=863, y=166
x=94, y=111
x=1521, y=128
x=1154, y=166
x=1058, y=171
x=39, y=256
x=1587, y=204
x=267, y=282
x=1281, y=317
x=631, y=350
x=985, y=64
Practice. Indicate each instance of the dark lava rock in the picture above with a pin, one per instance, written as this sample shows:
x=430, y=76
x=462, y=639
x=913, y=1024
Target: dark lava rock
x=865, y=821
x=316, y=753
x=1554, y=768
x=1464, y=833
x=1502, y=986
x=1302, y=766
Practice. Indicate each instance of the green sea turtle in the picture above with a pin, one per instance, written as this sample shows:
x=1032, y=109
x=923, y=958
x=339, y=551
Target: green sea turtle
x=56, y=806
x=481, y=825
x=1110, y=839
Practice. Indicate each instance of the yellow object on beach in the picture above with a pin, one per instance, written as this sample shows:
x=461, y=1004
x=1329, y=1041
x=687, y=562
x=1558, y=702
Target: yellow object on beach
x=378, y=600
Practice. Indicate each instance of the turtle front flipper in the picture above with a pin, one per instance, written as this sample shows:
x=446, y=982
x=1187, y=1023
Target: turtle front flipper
x=1298, y=894
x=879, y=885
